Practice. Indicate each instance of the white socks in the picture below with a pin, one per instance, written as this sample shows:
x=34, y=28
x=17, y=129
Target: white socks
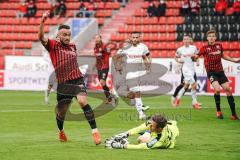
x=138, y=105
x=194, y=96
x=94, y=130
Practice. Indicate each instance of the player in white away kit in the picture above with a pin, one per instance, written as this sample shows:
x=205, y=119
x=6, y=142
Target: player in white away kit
x=136, y=55
x=184, y=55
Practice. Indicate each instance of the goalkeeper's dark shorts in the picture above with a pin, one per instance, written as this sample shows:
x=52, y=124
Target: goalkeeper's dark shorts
x=70, y=89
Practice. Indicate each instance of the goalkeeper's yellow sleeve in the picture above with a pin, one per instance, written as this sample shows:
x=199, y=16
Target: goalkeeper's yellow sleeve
x=138, y=146
x=139, y=129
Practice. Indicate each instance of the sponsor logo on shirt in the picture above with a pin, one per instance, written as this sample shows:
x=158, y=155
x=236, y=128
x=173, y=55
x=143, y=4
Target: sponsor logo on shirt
x=215, y=53
x=135, y=56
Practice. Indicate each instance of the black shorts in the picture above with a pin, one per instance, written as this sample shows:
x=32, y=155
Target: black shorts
x=103, y=74
x=182, y=78
x=69, y=89
x=220, y=77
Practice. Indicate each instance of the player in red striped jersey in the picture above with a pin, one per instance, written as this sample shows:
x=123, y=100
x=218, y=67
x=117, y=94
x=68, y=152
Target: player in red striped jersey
x=102, y=54
x=70, y=79
x=212, y=54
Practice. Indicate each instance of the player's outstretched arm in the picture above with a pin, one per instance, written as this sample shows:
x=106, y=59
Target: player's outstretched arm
x=41, y=37
x=141, y=128
x=136, y=146
x=138, y=129
x=235, y=60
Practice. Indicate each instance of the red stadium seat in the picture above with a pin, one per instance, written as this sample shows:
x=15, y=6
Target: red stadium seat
x=172, y=12
x=146, y=20
x=116, y=5
x=171, y=45
x=171, y=54
x=122, y=29
x=146, y=29
x=162, y=28
x=162, y=46
x=154, y=28
x=163, y=54
x=108, y=13
x=130, y=29
x=171, y=37
x=100, y=5
x=155, y=37
x=100, y=13
x=154, y=20
x=154, y=54
x=226, y=45
x=145, y=5
x=138, y=21
x=163, y=37
x=3, y=21
x=108, y=5
x=130, y=20
x=146, y=37
x=171, y=28
x=179, y=20
x=1, y=62
x=113, y=37
x=155, y=45
x=162, y=20
x=171, y=20
x=198, y=44
x=28, y=45
x=235, y=45
x=138, y=29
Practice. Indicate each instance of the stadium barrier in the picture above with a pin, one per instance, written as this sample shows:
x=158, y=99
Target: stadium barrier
x=32, y=73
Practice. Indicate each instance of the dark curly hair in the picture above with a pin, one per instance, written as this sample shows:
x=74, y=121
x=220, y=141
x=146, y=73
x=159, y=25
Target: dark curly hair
x=160, y=120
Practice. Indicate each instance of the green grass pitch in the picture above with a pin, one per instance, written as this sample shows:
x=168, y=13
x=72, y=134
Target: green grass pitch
x=28, y=130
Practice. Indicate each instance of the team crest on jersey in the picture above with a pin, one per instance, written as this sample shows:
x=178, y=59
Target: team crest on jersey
x=218, y=47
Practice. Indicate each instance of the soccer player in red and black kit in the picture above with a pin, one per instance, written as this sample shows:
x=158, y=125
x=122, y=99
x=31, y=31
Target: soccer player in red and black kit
x=102, y=55
x=212, y=54
x=70, y=79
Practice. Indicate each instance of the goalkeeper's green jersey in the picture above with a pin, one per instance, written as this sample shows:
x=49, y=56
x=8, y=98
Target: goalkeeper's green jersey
x=166, y=139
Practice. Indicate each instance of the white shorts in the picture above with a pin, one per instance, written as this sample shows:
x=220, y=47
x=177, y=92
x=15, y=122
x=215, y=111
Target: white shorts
x=188, y=76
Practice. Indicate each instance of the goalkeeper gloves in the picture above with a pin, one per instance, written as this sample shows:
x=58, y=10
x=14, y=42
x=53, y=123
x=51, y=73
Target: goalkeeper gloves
x=121, y=136
x=116, y=144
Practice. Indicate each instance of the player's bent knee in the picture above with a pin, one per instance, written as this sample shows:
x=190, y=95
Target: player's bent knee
x=102, y=82
x=228, y=91
x=217, y=91
x=131, y=95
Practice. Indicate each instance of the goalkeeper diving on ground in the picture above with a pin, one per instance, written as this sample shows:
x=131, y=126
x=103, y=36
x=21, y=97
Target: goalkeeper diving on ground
x=156, y=133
